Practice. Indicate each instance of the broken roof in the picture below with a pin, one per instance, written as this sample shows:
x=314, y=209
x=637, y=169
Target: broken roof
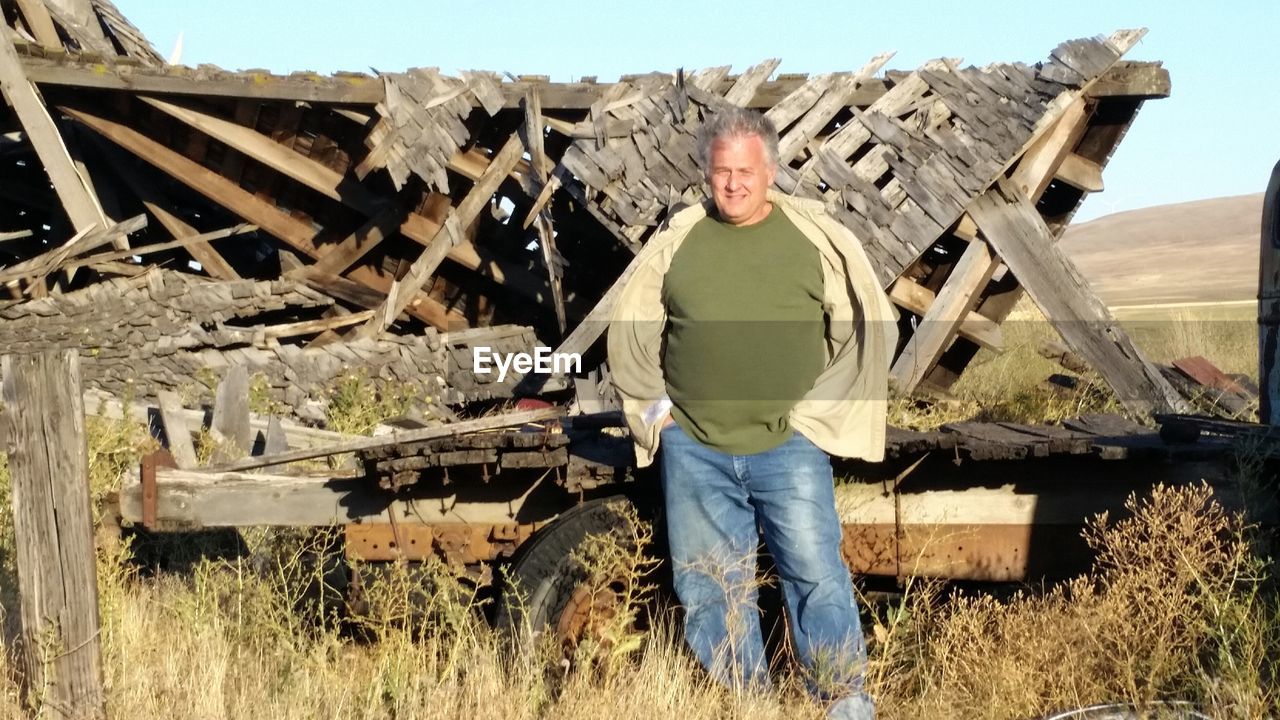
x=419, y=198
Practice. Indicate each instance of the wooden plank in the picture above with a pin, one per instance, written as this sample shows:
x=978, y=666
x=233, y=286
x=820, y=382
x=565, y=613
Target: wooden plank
x=45, y=441
x=835, y=100
x=334, y=185
x=311, y=327
x=231, y=415
x=402, y=292
x=210, y=259
x=294, y=232
x=37, y=17
x=954, y=302
x=1019, y=235
x=102, y=404
x=73, y=191
x=1080, y=173
x=80, y=21
x=974, y=327
x=746, y=85
x=1125, y=79
x=1133, y=80
x=534, y=143
x=176, y=429
x=51, y=260
x=198, y=498
x=394, y=438
x=358, y=244
x=186, y=242
x=349, y=89
x=1036, y=168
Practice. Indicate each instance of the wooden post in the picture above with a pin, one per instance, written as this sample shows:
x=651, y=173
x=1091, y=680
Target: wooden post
x=57, y=580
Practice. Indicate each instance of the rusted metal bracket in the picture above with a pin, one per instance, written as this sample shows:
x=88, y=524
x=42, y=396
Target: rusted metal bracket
x=150, y=462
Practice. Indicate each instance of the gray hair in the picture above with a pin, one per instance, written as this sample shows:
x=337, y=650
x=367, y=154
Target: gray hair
x=734, y=121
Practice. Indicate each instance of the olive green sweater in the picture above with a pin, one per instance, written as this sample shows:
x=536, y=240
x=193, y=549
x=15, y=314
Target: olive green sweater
x=745, y=331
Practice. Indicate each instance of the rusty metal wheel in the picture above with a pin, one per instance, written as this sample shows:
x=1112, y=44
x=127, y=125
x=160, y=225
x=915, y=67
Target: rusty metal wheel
x=546, y=591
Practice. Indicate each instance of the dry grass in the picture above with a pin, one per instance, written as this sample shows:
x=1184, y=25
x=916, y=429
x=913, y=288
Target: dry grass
x=1182, y=605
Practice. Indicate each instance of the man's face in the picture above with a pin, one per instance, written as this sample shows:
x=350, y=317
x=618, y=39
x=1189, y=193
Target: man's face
x=740, y=175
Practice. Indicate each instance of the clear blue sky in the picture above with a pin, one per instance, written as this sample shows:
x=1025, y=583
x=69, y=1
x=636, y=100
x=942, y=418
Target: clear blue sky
x=1216, y=135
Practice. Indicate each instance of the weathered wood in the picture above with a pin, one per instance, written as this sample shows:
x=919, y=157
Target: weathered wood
x=183, y=242
x=402, y=292
x=394, y=438
x=51, y=260
x=37, y=17
x=1020, y=237
x=1036, y=168
x=320, y=178
x=358, y=244
x=1080, y=172
x=310, y=327
x=918, y=299
x=347, y=89
x=234, y=499
x=53, y=529
x=294, y=232
x=834, y=100
x=80, y=21
x=176, y=429
x=535, y=146
x=1134, y=80
x=210, y=259
x=73, y=191
x=102, y=404
x=231, y=415
x=954, y=302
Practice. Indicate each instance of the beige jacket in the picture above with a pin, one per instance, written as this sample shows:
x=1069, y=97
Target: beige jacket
x=845, y=412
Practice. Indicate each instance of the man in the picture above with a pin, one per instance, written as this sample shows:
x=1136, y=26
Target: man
x=751, y=339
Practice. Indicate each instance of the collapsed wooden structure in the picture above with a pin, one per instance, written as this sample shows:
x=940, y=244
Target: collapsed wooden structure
x=409, y=207
x=181, y=225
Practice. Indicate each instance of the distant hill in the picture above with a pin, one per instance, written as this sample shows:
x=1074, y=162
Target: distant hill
x=1202, y=251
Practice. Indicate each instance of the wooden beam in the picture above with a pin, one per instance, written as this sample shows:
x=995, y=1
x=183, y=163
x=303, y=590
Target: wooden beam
x=1142, y=80
x=103, y=404
x=541, y=166
x=37, y=17
x=1125, y=79
x=210, y=259
x=1080, y=173
x=80, y=21
x=356, y=245
x=294, y=232
x=400, y=296
x=959, y=294
x=311, y=327
x=186, y=242
x=1018, y=233
x=198, y=498
x=73, y=191
x=349, y=89
x=51, y=260
x=231, y=415
x=334, y=185
x=917, y=298
x=176, y=429
x=1036, y=168
x=44, y=430
x=395, y=438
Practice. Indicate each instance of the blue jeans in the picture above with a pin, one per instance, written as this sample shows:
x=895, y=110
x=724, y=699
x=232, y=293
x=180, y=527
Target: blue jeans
x=714, y=504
